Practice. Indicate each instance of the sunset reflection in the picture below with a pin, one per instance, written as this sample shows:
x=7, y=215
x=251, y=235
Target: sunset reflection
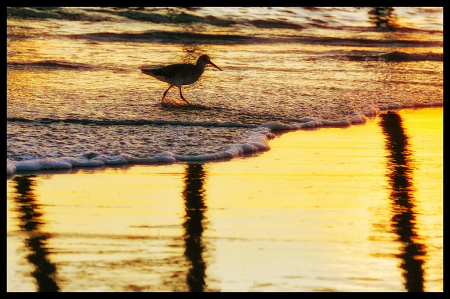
x=306, y=165
x=364, y=214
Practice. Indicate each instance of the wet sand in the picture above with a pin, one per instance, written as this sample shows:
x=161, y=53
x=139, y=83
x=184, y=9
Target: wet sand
x=335, y=209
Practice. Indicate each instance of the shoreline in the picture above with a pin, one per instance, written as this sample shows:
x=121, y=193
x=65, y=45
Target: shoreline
x=257, y=143
x=317, y=212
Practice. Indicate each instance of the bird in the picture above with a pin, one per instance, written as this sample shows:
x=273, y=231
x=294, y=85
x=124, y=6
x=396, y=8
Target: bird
x=180, y=74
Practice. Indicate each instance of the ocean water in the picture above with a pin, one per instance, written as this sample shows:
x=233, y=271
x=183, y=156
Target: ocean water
x=76, y=96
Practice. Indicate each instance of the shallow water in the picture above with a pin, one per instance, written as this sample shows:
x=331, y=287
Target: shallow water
x=75, y=75
x=316, y=213
x=349, y=198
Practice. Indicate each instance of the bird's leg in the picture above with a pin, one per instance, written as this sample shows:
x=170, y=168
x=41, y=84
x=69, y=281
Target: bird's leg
x=181, y=95
x=164, y=95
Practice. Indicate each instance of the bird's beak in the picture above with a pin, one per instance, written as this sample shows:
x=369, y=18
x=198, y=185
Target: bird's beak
x=210, y=62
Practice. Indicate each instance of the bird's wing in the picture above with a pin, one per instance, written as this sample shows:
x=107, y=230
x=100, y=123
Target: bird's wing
x=168, y=72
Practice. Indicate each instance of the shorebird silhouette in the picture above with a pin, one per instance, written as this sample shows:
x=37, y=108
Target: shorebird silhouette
x=180, y=74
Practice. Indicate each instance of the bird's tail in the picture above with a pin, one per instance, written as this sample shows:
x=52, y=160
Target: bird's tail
x=146, y=71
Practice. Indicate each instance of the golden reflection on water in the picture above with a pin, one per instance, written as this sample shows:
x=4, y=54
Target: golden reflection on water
x=328, y=210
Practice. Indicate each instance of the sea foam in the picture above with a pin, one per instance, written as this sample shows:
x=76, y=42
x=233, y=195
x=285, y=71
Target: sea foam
x=255, y=141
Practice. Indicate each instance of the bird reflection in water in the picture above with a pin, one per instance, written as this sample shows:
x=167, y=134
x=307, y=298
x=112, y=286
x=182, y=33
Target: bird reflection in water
x=194, y=226
x=402, y=201
x=31, y=222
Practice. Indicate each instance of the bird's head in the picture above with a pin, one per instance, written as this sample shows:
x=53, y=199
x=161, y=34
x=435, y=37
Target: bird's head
x=204, y=60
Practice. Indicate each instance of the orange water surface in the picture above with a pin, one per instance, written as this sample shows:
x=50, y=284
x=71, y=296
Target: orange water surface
x=335, y=209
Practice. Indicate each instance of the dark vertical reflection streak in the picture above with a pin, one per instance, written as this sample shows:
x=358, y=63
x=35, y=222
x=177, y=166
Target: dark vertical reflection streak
x=30, y=222
x=383, y=17
x=194, y=226
x=402, y=201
